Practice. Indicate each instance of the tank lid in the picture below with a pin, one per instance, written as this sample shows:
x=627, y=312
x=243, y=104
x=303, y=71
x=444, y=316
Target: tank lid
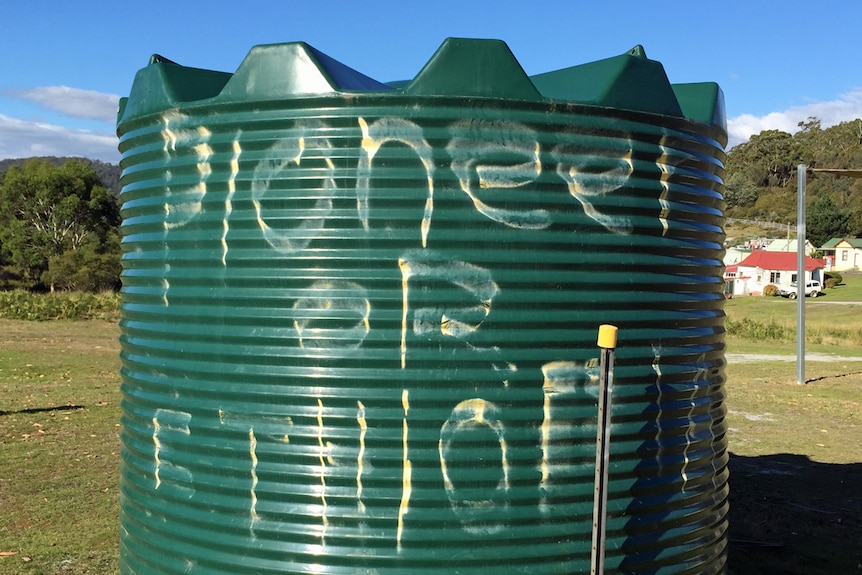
x=461, y=67
x=630, y=81
x=469, y=67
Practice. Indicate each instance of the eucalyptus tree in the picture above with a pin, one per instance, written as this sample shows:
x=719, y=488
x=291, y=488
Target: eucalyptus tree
x=49, y=212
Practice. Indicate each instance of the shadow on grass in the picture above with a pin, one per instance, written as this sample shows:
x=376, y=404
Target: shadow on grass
x=42, y=409
x=792, y=515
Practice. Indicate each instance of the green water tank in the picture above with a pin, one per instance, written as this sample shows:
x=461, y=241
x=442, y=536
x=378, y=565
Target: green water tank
x=359, y=319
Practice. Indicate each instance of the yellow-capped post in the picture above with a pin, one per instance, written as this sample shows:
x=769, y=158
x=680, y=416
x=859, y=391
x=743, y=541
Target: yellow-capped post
x=607, y=336
x=607, y=343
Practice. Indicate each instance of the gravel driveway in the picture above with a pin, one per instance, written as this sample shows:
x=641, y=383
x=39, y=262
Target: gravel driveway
x=754, y=357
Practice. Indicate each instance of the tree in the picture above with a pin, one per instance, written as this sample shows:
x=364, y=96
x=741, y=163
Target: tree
x=824, y=220
x=93, y=267
x=739, y=191
x=764, y=169
x=767, y=159
x=47, y=211
x=775, y=205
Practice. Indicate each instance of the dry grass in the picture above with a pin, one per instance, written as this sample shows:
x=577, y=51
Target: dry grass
x=796, y=467
x=833, y=323
x=796, y=457
x=59, y=413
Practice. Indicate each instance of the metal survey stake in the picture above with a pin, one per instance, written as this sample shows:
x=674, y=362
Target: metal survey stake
x=607, y=342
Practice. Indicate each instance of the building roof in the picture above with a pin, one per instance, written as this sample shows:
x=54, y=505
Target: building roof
x=833, y=243
x=784, y=245
x=779, y=261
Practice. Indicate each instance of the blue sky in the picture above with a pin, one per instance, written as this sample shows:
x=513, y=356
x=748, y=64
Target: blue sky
x=65, y=64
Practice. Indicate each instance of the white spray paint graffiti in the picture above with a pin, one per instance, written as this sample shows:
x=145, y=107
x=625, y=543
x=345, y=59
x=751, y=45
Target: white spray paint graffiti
x=190, y=204
x=252, y=451
x=259, y=428
x=360, y=457
x=589, y=176
x=497, y=164
x=406, y=470
x=168, y=426
x=457, y=322
x=374, y=136
x=489, y=157
x=701, y=378
x=474, y=149
x=336, y=316
x=563, y=380
x=183, y=203
x=477, y=516
x=231, y=191
x=273, y=174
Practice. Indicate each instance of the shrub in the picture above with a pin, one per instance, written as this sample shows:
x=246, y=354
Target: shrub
x=839, y=279
x=770, y=290
x=830, y=283
x=758, y=331
x=21, y=304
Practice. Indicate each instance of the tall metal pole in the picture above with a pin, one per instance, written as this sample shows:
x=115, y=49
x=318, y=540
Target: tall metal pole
x=801, y=173
x=607, y=342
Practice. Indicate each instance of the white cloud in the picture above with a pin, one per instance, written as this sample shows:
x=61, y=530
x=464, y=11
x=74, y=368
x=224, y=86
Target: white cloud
x=73, y=102
x=847, y=107
x=22, y=139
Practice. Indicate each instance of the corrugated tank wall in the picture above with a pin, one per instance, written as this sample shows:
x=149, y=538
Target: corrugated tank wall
x=358, y=322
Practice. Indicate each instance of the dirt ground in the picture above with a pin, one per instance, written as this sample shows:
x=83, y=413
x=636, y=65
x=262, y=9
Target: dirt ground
x=753, y=357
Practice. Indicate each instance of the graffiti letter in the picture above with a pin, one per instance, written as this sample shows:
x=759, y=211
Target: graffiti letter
x=475, y=422
x=272, y=176
x=376, y=134
x=231, y=190
x=189, y=198
x=457, y=321
x=565, y=382
x=510, y=161
x=168, y=423
x=590, y=176
x=338, y=317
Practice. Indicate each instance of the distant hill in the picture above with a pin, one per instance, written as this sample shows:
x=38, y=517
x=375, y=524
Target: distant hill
x=109, y=174
x=761, y=179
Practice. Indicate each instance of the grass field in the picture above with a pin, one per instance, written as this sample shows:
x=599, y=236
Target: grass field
x=768, y=324
x=796, y=468
x=59, y=414
x=796, y=462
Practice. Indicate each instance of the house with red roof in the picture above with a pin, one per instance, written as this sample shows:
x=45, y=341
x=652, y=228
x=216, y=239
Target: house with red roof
x=761, y=268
